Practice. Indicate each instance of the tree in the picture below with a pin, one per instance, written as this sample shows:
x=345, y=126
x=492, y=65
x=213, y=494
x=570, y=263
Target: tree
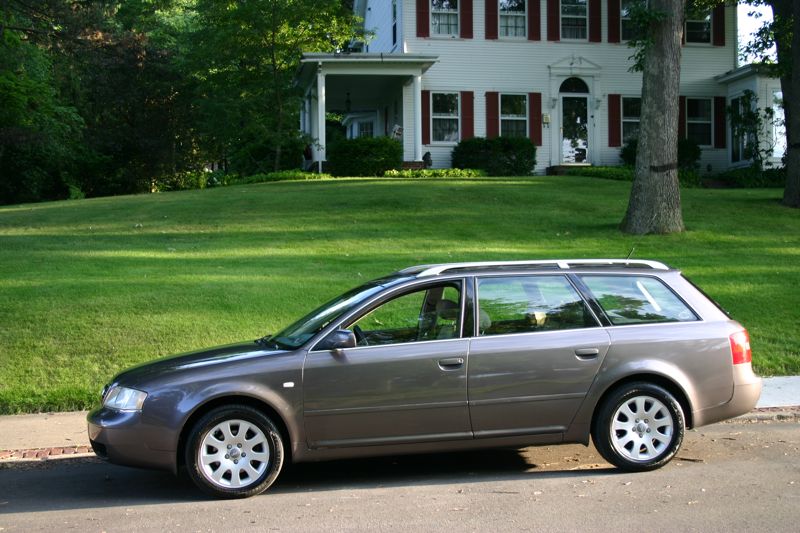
x=783, y=32
x=244, y=56
x=655, y=200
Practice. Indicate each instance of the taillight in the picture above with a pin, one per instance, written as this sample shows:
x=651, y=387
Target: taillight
x=740, y=347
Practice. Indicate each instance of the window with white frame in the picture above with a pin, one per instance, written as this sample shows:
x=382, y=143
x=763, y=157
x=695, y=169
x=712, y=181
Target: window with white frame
x=444, y=17
x=574, y=19
x=366, y=128
x=631, y=115
x=513, y=20
x=514, y=115
x=698, y=28
x=445, y=117
x=628, y=29
x=699, y=120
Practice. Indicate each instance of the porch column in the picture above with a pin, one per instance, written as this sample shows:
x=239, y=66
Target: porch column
x=418, y=118
x=320, y=117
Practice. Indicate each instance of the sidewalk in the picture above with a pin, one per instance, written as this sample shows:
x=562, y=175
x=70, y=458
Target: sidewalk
x=53, y=434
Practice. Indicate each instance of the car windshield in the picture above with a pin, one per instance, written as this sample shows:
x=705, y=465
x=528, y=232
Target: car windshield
x=298, y=333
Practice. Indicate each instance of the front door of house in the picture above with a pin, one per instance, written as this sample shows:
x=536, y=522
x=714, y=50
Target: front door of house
x=574, y=129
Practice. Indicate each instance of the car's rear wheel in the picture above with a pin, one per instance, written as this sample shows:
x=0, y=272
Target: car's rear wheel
x=234, y=452
x=639, y=427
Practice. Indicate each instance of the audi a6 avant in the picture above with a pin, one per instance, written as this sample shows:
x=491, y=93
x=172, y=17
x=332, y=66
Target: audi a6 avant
x=444, y=357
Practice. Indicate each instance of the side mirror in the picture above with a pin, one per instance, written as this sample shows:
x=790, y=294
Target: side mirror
x=338, y=340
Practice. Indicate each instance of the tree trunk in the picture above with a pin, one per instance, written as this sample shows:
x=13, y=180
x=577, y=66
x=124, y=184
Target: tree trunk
x=655, y=201
x=790, y=85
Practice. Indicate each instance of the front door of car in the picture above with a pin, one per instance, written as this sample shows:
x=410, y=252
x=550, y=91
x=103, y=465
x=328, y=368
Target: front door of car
x=405, y=380
x=536, y=353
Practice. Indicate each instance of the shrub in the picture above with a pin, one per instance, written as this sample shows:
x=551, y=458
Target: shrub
x=751, y=177
x=283, y=175
x=435, y=173
x=365, y=156
x=689, y=153
x=501, y=156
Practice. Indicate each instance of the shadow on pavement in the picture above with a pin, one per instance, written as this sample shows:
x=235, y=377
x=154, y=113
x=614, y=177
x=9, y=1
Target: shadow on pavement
x=87, y=482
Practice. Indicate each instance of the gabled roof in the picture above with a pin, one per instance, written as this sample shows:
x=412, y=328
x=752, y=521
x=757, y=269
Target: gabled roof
x=364, y=64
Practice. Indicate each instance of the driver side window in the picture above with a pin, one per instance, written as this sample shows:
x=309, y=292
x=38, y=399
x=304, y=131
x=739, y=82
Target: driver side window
x=431, y=313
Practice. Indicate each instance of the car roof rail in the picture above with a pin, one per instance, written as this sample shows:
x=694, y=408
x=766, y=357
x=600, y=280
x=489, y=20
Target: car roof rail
x=561, y=264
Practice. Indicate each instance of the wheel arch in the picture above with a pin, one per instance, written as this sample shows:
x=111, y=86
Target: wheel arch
x=662, y=381
x=233, y=399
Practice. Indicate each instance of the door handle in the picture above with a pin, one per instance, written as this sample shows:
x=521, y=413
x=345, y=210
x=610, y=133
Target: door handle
x=451, y=363
x=587, y=353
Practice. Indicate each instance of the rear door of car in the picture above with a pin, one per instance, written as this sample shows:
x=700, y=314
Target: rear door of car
x=536, y=351
x=405, y=381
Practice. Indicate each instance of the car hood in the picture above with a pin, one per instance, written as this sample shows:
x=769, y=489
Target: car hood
x=152, y=370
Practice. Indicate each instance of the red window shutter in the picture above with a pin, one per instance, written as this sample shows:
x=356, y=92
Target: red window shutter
x=681, y=117
x=535, y=118
x=534, y=20
x=423, y=18
x=720, y=129
x=492, y=115
x=426, y=117
x=553, y=20
x=718, y=25
x=594, y=21
x=613, y=21
x=465, y=21
x=491, y=19
x=614, y=120
x=467, y=115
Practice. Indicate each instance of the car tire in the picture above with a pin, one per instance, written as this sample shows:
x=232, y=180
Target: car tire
x=638, y=427
x=234, y=451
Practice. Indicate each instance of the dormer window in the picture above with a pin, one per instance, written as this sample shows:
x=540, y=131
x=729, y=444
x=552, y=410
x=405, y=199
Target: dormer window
x=512, y=18
x=444, y=17
x=574, y=19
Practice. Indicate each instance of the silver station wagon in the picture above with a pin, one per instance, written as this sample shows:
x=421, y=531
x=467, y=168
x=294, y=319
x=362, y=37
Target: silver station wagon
x=444, y=357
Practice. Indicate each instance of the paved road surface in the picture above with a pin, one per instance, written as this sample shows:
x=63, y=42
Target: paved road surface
x=727, y=477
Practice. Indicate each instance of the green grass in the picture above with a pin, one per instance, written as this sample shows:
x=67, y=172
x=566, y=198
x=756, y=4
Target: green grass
x=88, y=287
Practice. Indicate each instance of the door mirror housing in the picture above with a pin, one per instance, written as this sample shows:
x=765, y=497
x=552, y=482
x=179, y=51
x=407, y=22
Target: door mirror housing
x=338, y=340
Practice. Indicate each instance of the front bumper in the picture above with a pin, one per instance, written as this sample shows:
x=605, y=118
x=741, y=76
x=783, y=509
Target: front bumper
x=123, y=438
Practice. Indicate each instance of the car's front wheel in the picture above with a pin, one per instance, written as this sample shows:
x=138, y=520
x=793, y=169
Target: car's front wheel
x=234, y=452
x=638, y=427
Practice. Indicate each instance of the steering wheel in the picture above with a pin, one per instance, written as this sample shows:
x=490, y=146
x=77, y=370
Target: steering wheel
x=361, y=339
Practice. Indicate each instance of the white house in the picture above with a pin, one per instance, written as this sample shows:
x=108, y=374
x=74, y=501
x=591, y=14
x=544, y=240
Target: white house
x=557, y=71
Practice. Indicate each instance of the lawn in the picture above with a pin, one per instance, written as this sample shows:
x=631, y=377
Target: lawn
x=89, y=287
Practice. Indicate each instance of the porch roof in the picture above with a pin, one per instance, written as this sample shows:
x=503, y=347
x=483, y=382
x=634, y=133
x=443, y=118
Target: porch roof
x=363, y=64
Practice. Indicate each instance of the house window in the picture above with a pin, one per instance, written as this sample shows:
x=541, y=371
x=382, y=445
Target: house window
x=698, y=28
x=394, y=22
x=574, y=19
x=444, y=117
x=631, y=113
x=513, y=115
x=444, y=17
x=627, y=25
x=366, y=128
x=698, y=120
x=512, y=18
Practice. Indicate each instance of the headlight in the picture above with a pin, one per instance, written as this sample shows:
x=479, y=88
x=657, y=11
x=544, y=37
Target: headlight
x=124, y=399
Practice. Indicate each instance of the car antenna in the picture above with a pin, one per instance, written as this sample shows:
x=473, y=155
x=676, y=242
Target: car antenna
x=633, y=248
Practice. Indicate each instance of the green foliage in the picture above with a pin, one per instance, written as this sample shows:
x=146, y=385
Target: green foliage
x=747, y=124
x=435, y=173
x=689, y=153
x=751, y=177
x=365, y=156
x=501, y=156
x=284, y=175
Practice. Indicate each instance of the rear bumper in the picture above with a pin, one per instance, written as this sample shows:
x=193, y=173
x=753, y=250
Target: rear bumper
x=121, y=438
x=746, y=392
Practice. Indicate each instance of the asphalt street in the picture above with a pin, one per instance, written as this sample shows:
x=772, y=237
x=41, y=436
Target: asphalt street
x=727, y=477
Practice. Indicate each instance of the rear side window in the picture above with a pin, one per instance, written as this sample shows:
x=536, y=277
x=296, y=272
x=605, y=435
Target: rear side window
x=523, y=304
x=637, y=300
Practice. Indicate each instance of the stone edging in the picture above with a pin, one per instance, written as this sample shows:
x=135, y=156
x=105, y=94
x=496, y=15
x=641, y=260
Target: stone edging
x=44, y=453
